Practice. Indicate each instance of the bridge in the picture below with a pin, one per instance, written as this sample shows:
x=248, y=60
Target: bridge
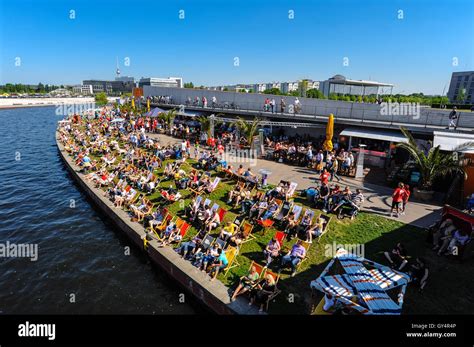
x=424, y=120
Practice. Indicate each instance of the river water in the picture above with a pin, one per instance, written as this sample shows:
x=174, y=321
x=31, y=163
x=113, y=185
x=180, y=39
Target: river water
x=83, y=265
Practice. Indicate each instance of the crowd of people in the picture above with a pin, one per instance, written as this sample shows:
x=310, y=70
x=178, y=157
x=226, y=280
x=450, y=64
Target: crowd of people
x=129, y=165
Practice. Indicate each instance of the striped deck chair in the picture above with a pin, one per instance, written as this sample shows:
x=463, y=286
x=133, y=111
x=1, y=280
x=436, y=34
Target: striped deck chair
x=297, y=209
x=214, y=185
x=231, y=255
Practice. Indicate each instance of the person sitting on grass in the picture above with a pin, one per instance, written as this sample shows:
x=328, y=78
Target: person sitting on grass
x=262, y=291
x=419, y=273
x=315, y=230
x=397, y=257
x=271, y=251
x=228, y=231
x=293, y=258
x=219, y=264
x=246, y=283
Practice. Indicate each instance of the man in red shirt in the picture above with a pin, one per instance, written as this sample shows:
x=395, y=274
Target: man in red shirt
x=398, y=197
x=324, y=178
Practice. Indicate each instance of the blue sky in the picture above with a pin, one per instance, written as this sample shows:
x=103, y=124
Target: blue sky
x=415, y=53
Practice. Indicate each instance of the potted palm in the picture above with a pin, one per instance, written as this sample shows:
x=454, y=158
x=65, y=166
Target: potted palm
x=432, y=164
x=248, y=129
x=168, y=118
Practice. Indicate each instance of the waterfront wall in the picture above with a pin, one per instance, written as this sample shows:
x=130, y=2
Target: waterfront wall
x=317, y=109
x=213, y=295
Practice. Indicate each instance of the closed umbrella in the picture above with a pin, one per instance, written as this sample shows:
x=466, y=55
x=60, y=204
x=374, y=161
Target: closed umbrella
x=327, y=145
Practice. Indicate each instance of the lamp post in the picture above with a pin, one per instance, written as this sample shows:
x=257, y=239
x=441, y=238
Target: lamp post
x=360, y=163
x=212, y=117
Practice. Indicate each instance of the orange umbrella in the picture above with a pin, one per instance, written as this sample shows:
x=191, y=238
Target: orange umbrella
x=327, y=145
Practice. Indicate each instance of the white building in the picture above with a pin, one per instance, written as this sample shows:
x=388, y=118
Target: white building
x=288, y=87
x=85, y=89
x=176, y=82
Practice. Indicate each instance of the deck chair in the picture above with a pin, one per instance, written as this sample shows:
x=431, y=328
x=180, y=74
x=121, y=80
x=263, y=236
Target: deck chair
x=207, y=242
x=221, y=212
x=276, y=291
x=247, y=232
x=327, y=219
x=306, y=246
x=280, y=237
x=297, y=209
x=259, y=268
x=285, y=209
x=265, y=224
x=214, y=184
x=231, y=255
x=168, y=219
x=221, y=243
x=239, y=220
x=291, y=190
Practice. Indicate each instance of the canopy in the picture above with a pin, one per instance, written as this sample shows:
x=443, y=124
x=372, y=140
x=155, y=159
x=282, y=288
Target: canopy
x=375, y=134
x=155, y=112
x=327, y=145
x=365, y=280
x=448, y=141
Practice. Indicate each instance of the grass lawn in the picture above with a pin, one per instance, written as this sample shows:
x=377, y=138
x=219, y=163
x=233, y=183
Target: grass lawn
x=450, y=288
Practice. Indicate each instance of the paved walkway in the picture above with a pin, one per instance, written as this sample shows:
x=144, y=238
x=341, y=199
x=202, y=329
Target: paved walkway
x=377, y=198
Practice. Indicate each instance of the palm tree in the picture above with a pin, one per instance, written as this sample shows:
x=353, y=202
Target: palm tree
x=434, y=163
x=168, y=117
x=205, y=122
x=248, y=129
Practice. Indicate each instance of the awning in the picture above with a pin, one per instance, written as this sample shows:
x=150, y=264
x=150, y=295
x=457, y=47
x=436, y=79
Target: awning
x=448, y=141
x=375, y=134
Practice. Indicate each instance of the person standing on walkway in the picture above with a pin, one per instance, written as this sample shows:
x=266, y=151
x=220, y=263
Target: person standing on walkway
x=334, y=169
x=272, y=105
x=397, y=199
x=453, y=116
x=324, y=178
x=406, y=188
x=282, y=105
x=297, y=105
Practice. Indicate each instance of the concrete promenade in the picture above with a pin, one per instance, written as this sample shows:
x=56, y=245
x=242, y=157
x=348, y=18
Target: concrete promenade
x=377, y=198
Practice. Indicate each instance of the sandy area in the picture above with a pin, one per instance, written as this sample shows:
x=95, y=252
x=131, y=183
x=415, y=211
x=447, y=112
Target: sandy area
x=34, y=102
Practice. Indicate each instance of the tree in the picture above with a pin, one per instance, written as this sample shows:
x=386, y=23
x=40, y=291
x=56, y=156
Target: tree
x=226, y=89
x=189, y=85
x=101, y=99
x=461, y=96
x=273, y=91
x=248, y=129
x=434, y=163
x=168, y=117
x=315, y=93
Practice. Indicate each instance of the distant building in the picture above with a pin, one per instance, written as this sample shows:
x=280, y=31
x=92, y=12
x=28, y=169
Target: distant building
x=288, y=87
x=85, y=89
x=176, y=82
x=339, y=84
x=109, y=87
x=461, y=86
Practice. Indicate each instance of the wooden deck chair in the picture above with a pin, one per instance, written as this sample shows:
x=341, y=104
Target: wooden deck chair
x=280, y=237
x=168, y=219
x=247, y=232
x=221, y=243
x=179, y=222
x=326, y=219
x=214, y=184
x=297, y=209
x=239, y=220
x=221, y=212
x=291, y=190
x=285, y=209
x=259, y=268
x=215, y=207
x=265, y=224
x=231, y=255
x=276, y=291
x=207, y=242
x=306, y=246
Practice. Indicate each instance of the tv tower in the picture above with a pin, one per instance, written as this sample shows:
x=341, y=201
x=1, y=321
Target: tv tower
x=117, y=71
